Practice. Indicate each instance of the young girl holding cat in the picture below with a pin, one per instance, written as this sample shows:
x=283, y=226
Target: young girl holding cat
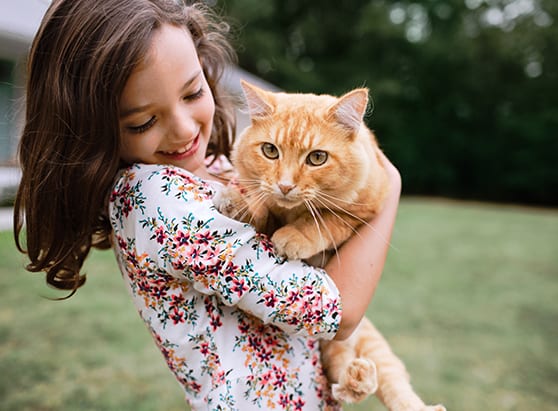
x=123, y=104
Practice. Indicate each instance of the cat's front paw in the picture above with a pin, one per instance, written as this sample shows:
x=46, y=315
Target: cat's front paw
x=229, y=202
x=357, y=382
x=291, y=243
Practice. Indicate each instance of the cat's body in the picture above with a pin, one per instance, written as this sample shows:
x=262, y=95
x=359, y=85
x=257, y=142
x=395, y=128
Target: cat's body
x=310, y=173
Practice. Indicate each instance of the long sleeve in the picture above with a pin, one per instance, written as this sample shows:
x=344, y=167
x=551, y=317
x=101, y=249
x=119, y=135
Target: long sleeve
x=237, y=325
x=165, y=220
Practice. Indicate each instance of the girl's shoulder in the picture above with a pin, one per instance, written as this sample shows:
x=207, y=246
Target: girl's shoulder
x=156, y=172
x=161, y=179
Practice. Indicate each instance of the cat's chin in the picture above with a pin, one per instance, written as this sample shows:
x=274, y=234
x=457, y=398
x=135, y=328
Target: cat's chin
x=288, y=204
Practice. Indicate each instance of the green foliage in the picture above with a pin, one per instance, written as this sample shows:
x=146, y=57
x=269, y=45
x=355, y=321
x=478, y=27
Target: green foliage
x=467, y=300
x=465, y=108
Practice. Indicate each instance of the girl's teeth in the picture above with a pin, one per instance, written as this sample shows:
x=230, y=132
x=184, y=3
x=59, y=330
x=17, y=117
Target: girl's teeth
x=182, y=150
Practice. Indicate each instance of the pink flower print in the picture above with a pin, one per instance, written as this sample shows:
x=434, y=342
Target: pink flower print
x=219, y=379
x=266, y=377
x=239, y=286
x=204, y=348
x=215, y=322
x=280, y=377
x=298, y=403
x=311, y=343
x=265, y=242
x=177, y=300
x=170, y=172
x=194, y=386
x=181, y=238
x=270, y=299
x=284, y=400
x=193, y=254
x=125, y=205
x=122, y=244
x=244, y=328
x=270, y=340
x=204, y=238
x=159, y=292
x=176, y=316
x=143, y=286
x=293, y=297
x=160, y=235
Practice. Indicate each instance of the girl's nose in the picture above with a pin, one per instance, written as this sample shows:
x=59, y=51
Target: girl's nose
x=182, y=125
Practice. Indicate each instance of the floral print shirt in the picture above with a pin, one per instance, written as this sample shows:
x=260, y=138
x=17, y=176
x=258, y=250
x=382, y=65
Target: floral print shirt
x=237, y=324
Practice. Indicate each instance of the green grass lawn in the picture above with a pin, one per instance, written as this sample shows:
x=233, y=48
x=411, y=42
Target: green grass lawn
x=469, y=300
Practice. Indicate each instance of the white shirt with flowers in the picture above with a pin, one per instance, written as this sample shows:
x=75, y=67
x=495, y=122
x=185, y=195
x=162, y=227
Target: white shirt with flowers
x=237, y=324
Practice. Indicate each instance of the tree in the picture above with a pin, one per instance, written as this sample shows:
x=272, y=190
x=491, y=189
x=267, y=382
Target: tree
x=465, y=91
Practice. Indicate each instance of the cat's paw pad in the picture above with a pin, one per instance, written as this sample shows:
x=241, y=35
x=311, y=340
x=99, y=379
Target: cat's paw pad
x=438, y=407
x=357, y=382
x=291, y=243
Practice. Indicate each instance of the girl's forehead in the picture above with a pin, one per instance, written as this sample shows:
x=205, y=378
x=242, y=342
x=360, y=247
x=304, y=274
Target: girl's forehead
x=169, y=40
x=170, y=63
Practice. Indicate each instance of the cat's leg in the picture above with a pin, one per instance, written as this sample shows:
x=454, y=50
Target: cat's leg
x=310, y=234
x=394, y=387
x=353, y=379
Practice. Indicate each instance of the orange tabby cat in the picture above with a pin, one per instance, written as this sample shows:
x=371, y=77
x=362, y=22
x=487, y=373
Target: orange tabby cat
x=309, y=173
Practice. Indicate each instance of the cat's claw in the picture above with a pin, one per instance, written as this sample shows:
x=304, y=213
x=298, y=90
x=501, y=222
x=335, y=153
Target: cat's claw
x=357, y=382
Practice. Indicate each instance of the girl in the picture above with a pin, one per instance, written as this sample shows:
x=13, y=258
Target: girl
x=123, y=106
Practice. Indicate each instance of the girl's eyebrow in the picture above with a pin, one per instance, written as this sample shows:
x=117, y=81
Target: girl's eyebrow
x=133, y=110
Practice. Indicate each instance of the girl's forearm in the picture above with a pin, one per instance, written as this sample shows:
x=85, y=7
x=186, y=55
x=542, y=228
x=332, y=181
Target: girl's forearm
x=361, y=260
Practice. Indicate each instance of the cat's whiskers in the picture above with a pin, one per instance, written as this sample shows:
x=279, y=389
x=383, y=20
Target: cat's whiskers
x=257, y=198
x=327, y=203
x=315, y=212
x=340, y=200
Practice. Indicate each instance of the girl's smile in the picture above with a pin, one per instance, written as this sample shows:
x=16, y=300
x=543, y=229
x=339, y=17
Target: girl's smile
x=184, y=152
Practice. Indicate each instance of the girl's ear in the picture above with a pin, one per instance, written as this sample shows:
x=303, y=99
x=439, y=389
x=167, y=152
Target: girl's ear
x=349, y=110
x=260, y=102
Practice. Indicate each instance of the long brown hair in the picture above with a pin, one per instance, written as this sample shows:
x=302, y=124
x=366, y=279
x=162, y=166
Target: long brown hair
x=80, y=60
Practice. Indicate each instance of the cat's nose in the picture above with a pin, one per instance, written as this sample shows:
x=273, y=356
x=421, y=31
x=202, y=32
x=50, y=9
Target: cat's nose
x=285, y=188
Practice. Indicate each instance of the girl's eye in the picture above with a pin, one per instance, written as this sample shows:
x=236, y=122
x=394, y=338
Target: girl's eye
x=144, y=127
x=270, y=151
x=198, y=94
x=317, y=158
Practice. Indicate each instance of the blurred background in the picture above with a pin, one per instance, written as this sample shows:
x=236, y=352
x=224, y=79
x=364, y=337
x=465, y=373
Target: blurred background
x=464, y=101
x=465, y=92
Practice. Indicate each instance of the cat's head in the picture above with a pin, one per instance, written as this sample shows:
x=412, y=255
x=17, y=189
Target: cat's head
x=304, y=147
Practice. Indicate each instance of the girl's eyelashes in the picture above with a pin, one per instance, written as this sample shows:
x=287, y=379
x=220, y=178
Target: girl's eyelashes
x=198, y=94
x=143, y=127
x=149, y=123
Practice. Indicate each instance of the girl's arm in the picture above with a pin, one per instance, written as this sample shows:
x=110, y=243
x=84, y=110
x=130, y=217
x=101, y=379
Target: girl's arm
x=361, y=259
x=167, y=228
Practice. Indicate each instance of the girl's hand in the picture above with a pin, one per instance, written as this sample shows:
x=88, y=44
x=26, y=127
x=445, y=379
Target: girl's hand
x=361, y=260
x=393, y=174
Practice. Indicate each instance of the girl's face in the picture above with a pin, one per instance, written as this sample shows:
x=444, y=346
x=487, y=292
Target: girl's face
x=166, y=108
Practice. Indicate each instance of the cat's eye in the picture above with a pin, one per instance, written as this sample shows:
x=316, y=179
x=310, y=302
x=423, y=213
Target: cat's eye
x=270, y=151
x=316, y=158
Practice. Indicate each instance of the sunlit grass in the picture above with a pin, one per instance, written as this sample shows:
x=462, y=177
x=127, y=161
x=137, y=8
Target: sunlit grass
x=469, y=300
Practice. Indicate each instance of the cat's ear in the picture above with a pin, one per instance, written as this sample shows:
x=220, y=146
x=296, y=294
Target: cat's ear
x=350, y=108
x=258, y=100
